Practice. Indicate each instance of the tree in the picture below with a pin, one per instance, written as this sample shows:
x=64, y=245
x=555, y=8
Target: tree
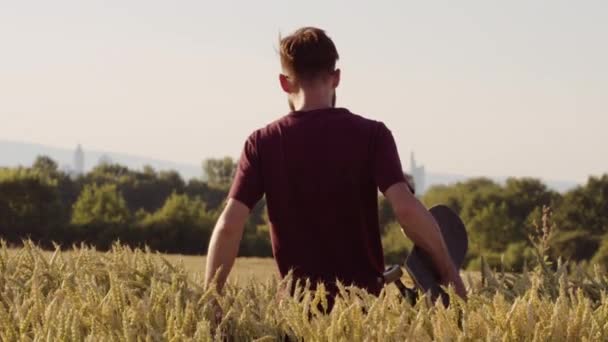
x=212, y=196
x=182, y=225
x=574, y=245
x=46, y=165
x=180, y=209
x=582, y=222
x=146, y=189
x=219, y=171
x=601, y=256
x=68, y=189
x=100, y=205
x=29, y=205
x=456, y=196
x=443, y=194
x=525, y=196
x=585, y=207
x=149, y=191
x=517, y=255
x=108, y=172
x=479, y=203
x=495, y=215
x=491, y=229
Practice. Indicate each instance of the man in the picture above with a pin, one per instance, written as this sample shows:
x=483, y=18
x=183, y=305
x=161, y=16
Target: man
x=320, y=168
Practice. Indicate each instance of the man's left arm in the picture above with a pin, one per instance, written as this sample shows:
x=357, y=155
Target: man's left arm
x=245, y=192
x=225, y=241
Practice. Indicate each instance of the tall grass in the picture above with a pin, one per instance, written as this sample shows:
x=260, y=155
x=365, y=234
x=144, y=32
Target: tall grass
x=135, y=295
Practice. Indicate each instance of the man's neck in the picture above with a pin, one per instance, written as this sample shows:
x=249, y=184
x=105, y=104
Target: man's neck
x=307, y=102
x=307, y=108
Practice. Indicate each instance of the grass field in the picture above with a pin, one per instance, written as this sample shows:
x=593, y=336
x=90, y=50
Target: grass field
x=126, y=295
x=245, y=269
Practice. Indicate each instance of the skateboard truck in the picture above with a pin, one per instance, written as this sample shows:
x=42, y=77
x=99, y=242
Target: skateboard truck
x=393, y=274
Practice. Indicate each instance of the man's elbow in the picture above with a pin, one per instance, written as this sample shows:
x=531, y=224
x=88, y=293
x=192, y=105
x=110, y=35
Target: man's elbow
x=232, y=220
x=226, y=227
x=404, y=212
x=411, y=211
x=401, y=199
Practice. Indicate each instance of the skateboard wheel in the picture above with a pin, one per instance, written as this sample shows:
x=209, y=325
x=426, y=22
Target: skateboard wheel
x=392, y=273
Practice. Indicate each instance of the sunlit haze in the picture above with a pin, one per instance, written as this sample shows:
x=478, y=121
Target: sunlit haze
x=511, y=88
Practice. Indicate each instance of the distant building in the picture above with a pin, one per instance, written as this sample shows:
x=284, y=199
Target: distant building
x=79, y=161
x=419, y=175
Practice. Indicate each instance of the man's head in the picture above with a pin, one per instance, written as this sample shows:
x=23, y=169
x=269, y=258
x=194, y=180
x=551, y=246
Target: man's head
x=308, y=61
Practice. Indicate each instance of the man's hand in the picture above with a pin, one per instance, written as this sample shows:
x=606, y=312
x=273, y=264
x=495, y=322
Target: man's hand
x=453, y=278
x=217, y=312
x=420, y=226
x=225, y=241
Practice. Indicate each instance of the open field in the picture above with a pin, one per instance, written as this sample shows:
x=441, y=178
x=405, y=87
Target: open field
x=259, y=269
x=244, y=270
x=126, y=295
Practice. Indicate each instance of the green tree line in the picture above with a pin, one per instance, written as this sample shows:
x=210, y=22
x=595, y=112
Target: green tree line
x=161, y=210
x=150, y=208
x=500, y=218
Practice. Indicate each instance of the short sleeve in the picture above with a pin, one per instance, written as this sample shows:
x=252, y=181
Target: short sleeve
x=385, y=158
x=247, y=185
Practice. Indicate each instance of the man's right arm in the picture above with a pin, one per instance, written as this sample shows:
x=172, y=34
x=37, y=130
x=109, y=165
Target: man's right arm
x=420, y=226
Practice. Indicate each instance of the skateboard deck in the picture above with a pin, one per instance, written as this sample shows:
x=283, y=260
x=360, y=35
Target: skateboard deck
x=419, y=264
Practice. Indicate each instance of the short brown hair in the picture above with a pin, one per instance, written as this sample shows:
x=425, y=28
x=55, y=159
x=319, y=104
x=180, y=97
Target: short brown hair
x=308, y=53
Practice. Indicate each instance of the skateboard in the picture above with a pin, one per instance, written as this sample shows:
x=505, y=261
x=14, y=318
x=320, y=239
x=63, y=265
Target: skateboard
x=419, y=265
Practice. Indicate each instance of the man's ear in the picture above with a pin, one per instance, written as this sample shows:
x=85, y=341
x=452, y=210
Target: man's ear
x=285, y=83
x=336, y=78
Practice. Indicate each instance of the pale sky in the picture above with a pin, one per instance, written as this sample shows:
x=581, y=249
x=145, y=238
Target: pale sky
x=495, y=88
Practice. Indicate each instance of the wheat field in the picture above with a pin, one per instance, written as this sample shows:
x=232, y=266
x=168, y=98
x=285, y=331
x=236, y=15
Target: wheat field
x=245, y=268
x=134, y=295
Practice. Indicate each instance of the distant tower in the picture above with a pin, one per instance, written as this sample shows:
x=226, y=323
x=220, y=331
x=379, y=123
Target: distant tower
x=418, y=174
x=79, y=161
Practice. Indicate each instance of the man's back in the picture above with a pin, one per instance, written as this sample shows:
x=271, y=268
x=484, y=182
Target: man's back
x=320, y=171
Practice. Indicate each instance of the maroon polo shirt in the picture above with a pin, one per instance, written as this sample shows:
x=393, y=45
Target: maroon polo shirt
x=320, y=171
